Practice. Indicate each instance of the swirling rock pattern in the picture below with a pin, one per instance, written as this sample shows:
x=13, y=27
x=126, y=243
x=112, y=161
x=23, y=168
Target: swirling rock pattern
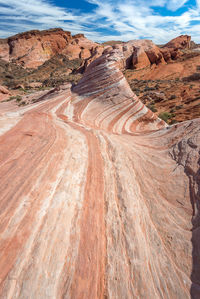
x=99, y=197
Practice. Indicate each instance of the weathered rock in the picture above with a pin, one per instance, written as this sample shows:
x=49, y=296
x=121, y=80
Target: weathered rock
x=155, y=56
x=180, y=42
x=140, y=59
x=97, y=195
x=141, y=53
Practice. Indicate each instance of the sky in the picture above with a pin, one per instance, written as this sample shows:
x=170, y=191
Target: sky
x=103, y=20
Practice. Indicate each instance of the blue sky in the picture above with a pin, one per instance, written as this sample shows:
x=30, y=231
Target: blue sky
x=102, y=20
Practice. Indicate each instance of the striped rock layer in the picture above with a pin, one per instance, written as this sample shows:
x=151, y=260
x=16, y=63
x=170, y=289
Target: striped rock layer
x=99, y=198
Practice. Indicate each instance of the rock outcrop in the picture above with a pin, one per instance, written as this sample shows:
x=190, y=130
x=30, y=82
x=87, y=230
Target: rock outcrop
x=180, y=42
x=140, y=54
x=99, y=197
x=33, y=48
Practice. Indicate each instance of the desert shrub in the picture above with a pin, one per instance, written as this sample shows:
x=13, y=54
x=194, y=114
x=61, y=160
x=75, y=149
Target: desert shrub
x=179, y=107
x=173, y=121
x=18, y=98
x=166, y=116
x=22, y=103
x=147, y=88
x=11, y=98
x=152, y=107
x=173, y=96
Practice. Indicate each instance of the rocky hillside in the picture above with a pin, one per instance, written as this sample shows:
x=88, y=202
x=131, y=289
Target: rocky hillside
x=99, y=196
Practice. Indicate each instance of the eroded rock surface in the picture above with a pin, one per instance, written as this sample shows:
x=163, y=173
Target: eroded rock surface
x=97, y=194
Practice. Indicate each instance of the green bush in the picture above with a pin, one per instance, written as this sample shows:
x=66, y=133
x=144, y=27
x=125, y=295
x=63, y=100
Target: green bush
x=166, y=116
x=172, y=122
x=152, y=107
x=18, y=98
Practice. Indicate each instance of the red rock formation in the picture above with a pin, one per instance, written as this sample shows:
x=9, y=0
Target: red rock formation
x=145, y=53
x=33, y=48
x=97, y=195
x=180, y=42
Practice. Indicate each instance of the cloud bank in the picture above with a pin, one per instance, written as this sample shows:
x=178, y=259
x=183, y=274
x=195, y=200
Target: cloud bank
x=159, y=21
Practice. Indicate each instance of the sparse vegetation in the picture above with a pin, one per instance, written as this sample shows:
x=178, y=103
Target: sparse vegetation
x=152, y=107
x=166, y=116
x=22, y=103
x=178, y=107
x=18, y=98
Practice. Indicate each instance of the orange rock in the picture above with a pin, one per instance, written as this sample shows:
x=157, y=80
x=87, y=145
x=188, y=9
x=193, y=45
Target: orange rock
x=72, y=51
x=85, y=53
x=140, y=59
x=180, y=42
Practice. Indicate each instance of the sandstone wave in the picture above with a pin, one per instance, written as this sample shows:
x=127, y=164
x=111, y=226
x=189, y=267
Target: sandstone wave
x=99, y=197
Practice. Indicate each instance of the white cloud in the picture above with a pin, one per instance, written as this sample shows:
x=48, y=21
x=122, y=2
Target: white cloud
x=175, y=4
x=109, y=20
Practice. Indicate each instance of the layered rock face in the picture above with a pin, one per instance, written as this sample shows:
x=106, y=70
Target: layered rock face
x=99, y=197
x=33, y=48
